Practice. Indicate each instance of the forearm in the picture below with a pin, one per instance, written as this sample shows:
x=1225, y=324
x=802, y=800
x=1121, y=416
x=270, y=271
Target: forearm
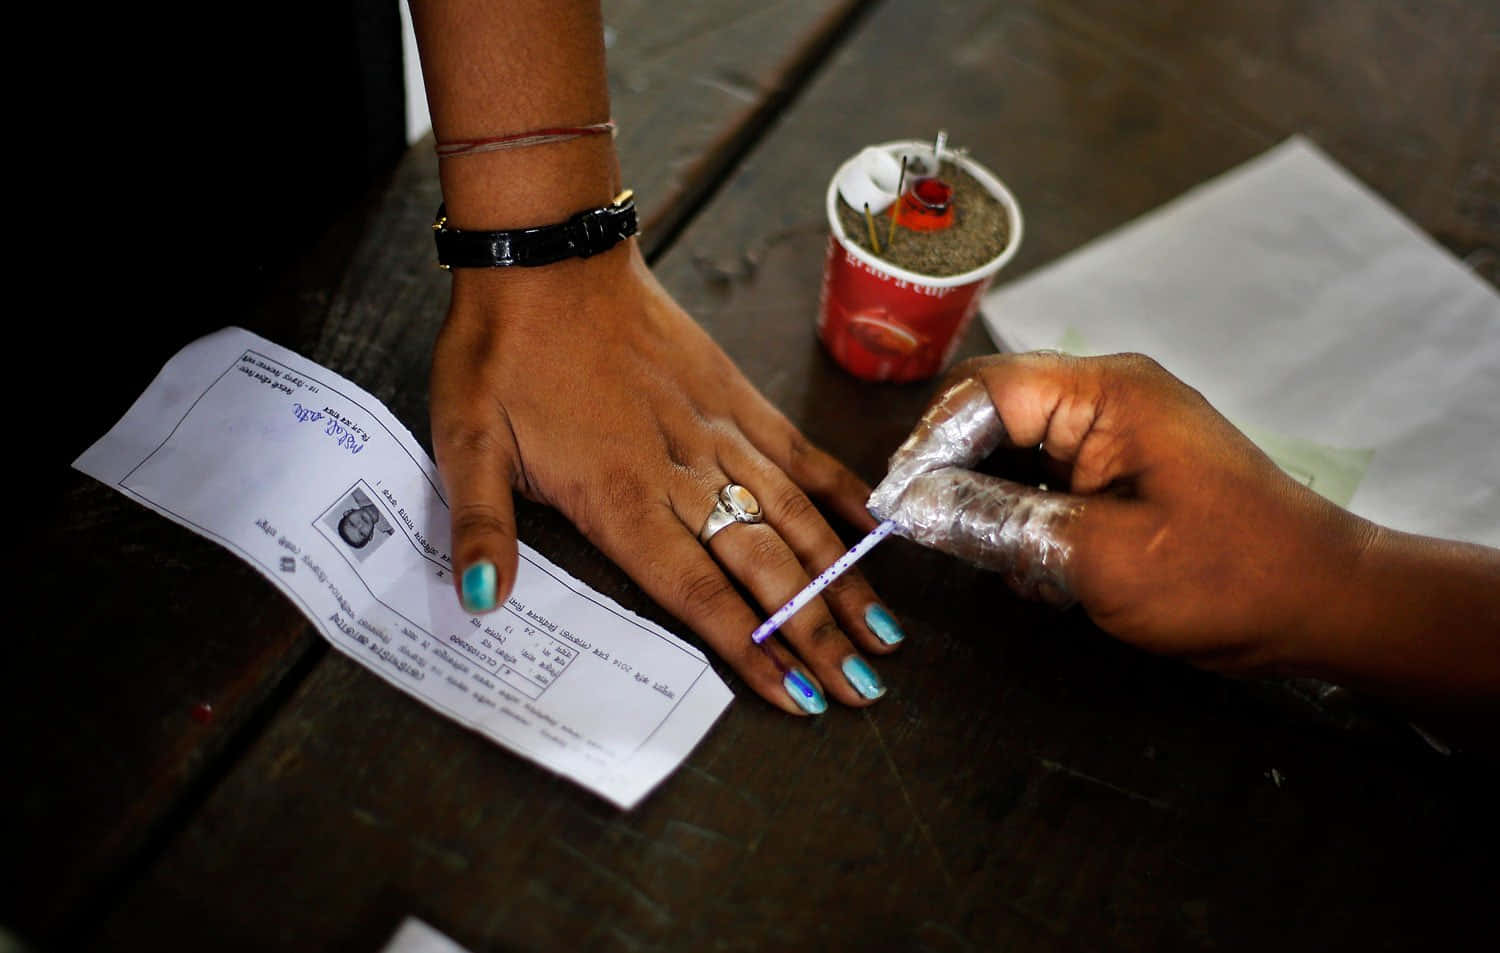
x=496, y=68
x=1416, y=619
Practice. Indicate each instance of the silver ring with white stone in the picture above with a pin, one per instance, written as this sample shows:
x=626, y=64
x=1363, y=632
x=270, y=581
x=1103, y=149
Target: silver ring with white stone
x=735, y=505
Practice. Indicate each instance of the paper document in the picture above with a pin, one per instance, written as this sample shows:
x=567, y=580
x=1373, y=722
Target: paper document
x=314, y=483
x=414, y=936
x=1355, y=350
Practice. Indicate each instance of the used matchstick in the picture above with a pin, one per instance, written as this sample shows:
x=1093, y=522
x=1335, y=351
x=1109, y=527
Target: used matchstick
x=890, y=235
x=870, y=222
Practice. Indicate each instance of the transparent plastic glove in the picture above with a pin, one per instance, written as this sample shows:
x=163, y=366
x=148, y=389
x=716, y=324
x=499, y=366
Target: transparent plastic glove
x=994, y=523
x=1010, y=528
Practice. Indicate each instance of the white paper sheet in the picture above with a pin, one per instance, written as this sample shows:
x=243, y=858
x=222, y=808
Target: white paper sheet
x=1360, y=354
x=415, y=936
x=264, y=452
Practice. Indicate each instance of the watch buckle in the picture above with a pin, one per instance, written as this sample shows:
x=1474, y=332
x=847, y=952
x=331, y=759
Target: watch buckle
x=588, y=233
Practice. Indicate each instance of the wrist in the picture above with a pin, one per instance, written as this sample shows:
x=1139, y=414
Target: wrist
x=1321, y=636
x=1414, y=620
x=559, y=295
x=602, y=270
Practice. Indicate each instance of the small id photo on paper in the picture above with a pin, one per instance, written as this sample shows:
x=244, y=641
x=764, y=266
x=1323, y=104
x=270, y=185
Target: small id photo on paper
x=357, y=524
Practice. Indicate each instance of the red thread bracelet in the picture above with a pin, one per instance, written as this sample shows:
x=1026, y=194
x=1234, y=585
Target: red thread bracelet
x=520, y=140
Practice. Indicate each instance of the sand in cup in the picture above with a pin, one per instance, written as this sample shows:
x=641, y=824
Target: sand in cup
x=882, y=322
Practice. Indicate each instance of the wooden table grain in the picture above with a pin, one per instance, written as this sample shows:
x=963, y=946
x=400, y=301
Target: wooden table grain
x=1027, y=784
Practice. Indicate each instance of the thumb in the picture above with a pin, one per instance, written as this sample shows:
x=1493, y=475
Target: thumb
x=1025, y=533
x=476, y=463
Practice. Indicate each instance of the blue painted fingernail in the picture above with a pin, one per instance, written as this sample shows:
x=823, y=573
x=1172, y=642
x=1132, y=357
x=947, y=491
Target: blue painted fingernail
x=479, y=587
x=884, y=625
x=863, y=677
x=804, y=692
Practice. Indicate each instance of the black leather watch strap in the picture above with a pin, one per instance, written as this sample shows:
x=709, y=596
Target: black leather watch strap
x=587, y=233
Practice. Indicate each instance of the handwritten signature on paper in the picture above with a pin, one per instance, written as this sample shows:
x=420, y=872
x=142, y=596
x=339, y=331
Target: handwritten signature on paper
x=340, y=434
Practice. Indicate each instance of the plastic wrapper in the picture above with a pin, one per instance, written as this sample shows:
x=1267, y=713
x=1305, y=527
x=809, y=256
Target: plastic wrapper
x=935, y=499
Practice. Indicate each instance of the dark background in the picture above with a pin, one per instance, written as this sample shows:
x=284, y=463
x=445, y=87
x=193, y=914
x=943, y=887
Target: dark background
x=1027, y=784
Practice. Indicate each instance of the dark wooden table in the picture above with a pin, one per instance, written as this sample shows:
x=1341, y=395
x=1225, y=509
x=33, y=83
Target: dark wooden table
x=1027, y=784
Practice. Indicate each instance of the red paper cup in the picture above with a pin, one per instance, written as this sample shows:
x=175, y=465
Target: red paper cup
x=883, y=323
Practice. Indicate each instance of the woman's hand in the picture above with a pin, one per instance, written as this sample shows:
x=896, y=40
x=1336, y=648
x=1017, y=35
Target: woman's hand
x=584, y=386
x=581, y=384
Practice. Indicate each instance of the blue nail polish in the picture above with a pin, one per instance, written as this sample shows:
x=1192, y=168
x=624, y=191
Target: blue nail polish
x=884, y=625
x=804, y=692
x=863, y=677
x=479, y=587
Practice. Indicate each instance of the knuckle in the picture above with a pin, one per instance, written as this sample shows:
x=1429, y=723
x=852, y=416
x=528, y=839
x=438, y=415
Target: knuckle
x=969, y=367
x=793, y=505
x=1136, y=383
x=468, y=439
x=849, y=584
x=769, y=552
x=824, y=634
x=808, y=464
x=703, y=593
x=824, y=476
x=964, y=368
x=798, y=447
x=1141, y=365
x=479, y=519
